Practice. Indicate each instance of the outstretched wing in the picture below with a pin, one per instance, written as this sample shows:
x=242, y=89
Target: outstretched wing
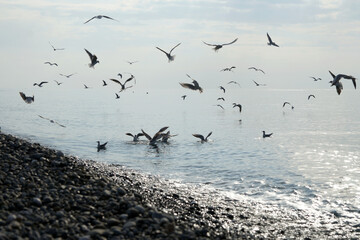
x=229, y=42
x=199, y=136
x=129, y=134
x=90, y=19
x=115, y=80
x=188, y=85
x=89, y=53
x=108, y=17
x=208, y=135
x=269, y=38
x=174, y=48
x=210, y=44
x=23, y=96
x=146, y=135
x=162, y=50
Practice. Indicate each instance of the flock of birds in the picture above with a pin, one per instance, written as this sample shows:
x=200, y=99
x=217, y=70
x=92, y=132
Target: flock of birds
x=161, y=135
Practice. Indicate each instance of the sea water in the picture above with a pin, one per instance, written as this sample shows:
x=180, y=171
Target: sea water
x=311, y=162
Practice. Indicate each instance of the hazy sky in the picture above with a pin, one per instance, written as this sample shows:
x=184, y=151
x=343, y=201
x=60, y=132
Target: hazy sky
x=314, y=36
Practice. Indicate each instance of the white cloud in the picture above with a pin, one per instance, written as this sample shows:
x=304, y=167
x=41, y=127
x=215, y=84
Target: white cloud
x=330, y=4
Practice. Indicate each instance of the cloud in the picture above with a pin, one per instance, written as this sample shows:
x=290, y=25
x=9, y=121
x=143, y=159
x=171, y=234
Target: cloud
x=330, y=4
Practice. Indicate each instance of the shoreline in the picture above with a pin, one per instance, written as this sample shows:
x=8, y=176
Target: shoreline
x=47, y=195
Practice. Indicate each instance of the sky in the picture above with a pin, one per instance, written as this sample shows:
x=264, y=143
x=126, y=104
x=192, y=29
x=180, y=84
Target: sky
x=314, y=36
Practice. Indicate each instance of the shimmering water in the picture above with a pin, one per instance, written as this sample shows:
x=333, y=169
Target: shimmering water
x=312, y=161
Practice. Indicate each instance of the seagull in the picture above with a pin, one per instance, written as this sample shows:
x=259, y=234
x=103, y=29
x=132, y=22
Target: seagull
x=67, y=76
x=227, y=69
x=58, y=83
x=270, y=41
x=52, y=121
x=93, y=59
x=257, y=69
x=135, y=137
x=131, y=63
x=120, y=75
x=169, y=56
x=39, y=84
x=237, y=105
x=99, y=17
x=156, y=137
x=222, y=88
x=122, y=85
x=86, y=87
x=165, y=136
x=218, y=105
x=234, y=82
x=310, y=96
x=51, y=63
x=55, y=49
x=266, y=135
x=316, y=79
x=338, y=84
x=117, y=96
x=104, y=83
x=101, y=146
x=258, y=84
x=183, y=97
x=221, y=98
x=195, y=86
x=292, y=107
x=27, y=99
x=202, y=137
x=218, y=46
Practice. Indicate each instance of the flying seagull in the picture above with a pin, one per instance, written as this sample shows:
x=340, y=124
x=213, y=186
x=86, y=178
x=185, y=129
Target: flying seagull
x=270, y=41
x=338, y=84
x=195, y=86
x=316, y=79
x=202, y=138
x=86, y=87
x=104, y=83
x=93, y=59
x=156, y=137
x=257, y=69
x=52, y=121
x=101, y=146
x=218, y=105
x=265, y=135
x=310, y=96
x=227, y=69
x=135, y=137
x=218, y=46
x=51, y=63
x=99, y=17
x=234, y=82
x=67, y=76
x=39, y=84
x=122, y=85
x=117, y=96
x=258, y=84
x=55, y=49
x=58, y=83
x=237, y=105
x=183, y=97
x=27, y=99
x=168, y=55
x=131, y=63
x=222, y=88
x=221, y=98
x=292, y=107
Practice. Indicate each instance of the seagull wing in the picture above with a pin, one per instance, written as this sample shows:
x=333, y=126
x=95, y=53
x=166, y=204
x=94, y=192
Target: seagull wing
x=23, y=96
x=208, y=135
x=229, y=42
x=129, y=134
x=354, y=82
x=333, y=75
x=89, y=19
x=189, y=77
x=261, y=71
x=174, y=48
x=269, y=38
x=117, y=81
x=42, y=83
x=199, y=136
x=209, y=44
x=285, y=103
x=162, y=50
x=146, y=135
x=108, y=17
x=220, y=106
x=188, y=85
x=90, y=54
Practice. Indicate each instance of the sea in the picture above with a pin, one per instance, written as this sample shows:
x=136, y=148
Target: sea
x=311, y=162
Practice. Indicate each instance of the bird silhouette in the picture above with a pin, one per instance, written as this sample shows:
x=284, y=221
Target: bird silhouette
x=93, y=59
x=135, y=136
x=257, y=69
x=222, y=88
x=51, y=64
x=218, y=46
x=39, y=84
x=183, y=97
x=55, y=49
x=237, y=105
x=156, y=136
x=311, y=95
x=123, y=87
x=104, y=83
x=52, y=121
x=117, y=96
x=316, y=79
x=336, y=81
x=218, y=105
x=132, y=62
x=265, y=135
x=287, y=103
x=27, y=99
x=270, y=41
x=101, y=146
x=67, y=76
x=258, y=84
x=99, y=17
x=195, y=86
x=168, y=55
x=58, y=83
x=202, y=138
x=86, y=87
x=221, y=98
x=234, y=82
x=227, y=69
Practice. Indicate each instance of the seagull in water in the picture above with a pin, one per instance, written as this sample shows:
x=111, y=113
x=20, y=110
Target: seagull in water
x=39, y=84
x=202, y=138
x=310, y=96
x=265, y=135
x=51, y=63
x=270, y=41
x=55, y=49
x=27, y=99
x=218, y=46
x=338, y=84
x=195, y=86
x=135, y=137
x=101, y=146
x=165, y=136
x=168, y=55
x=257, y=69
x=156, y=137
x=237, y=105
x=99, y=17
x=93, y=59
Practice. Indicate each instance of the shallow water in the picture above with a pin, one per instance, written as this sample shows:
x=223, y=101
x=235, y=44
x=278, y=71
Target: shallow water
x=311, y=162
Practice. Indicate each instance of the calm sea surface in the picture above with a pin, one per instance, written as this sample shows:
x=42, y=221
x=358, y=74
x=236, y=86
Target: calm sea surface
x=311, y=162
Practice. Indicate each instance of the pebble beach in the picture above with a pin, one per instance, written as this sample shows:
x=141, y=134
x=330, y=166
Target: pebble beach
x=48, y=195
